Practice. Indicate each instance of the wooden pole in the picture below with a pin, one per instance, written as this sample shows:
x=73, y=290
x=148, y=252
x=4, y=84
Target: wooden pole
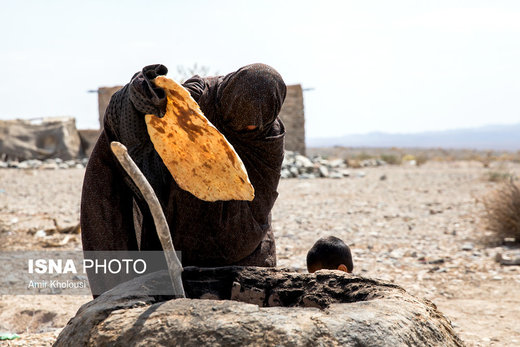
x=163, y=231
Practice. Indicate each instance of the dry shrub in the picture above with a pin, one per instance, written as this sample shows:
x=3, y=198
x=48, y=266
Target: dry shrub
x=503, y=211
x=364, y=156
x=391, y=159
x=421, y=159
x=499, y=176
x=353, y=163
x=516, y=158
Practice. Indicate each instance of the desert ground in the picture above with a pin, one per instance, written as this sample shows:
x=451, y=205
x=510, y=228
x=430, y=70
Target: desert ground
x=421, y=227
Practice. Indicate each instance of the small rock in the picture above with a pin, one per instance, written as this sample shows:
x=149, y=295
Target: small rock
x=33, y=163
x=506, y=261
x=294, y=171
x=467, y=246
x=306, y=176
x=303, y=161
x=80, y=278
x=40, y=233
x=285, y=173
x=49, y=166
x=23, y=165
x=436, y=261
x=396, y=254
x=12, y=164
x=345, y=173
x=337, y=163
x=509, y=241
x=324, y=172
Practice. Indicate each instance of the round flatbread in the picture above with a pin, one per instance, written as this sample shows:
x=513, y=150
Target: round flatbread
x=198, y=156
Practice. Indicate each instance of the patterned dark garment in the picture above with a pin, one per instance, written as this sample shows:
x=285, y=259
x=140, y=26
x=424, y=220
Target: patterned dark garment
x=207, y=233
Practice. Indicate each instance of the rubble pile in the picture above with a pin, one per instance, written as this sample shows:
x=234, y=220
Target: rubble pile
x=48, y=164
x=296, y=165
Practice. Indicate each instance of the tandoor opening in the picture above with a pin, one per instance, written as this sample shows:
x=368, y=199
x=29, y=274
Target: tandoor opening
x=268, y=287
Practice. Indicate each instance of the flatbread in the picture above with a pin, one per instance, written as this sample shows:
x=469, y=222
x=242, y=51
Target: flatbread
x=198, y=156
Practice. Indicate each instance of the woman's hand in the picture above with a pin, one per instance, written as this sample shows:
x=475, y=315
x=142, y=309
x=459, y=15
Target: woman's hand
x=144, y=94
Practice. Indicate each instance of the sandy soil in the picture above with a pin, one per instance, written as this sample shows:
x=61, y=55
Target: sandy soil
x=419, y=227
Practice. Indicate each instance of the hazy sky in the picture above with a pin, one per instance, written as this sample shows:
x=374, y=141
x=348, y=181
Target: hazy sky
x=393, y=66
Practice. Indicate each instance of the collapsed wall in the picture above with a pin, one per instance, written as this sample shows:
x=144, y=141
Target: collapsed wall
x=292, y=115
x=39, y=139
x=104, y=95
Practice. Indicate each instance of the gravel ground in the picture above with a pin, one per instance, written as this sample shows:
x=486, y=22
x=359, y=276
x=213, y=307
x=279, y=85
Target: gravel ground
x=419, y=227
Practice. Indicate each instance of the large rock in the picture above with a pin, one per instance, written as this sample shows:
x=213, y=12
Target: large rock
x=259, y=306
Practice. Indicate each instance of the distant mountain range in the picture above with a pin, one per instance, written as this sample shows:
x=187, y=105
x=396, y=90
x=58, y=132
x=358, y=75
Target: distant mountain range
x=496, y=137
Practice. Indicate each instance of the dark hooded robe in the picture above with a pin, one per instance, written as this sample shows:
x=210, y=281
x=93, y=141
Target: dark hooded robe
x=113, y=212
